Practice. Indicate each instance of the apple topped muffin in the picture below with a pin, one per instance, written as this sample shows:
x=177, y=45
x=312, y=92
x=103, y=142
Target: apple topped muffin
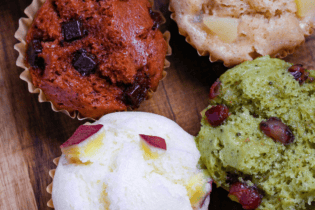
x=257, y=136
x=238, y=30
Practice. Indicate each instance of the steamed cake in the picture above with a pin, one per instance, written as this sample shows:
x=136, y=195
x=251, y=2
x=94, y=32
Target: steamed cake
x=112, y=169
x=238, y=30
x=95, y=57
x=238, y=149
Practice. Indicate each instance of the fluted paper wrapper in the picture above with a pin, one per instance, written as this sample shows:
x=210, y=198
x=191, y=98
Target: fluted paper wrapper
x=21, y=47
x=50, y=186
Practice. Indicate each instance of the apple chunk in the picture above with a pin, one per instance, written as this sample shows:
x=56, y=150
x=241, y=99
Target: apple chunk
x=85, y=141
x=224, y=27
x=154, y=141
x=304, y=7
x=151, y=145
x=82, y=133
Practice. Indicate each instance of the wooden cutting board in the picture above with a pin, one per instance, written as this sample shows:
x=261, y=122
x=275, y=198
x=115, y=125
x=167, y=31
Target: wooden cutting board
x=31, y=133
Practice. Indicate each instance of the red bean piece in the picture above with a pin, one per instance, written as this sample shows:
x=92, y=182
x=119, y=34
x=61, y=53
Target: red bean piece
x=215, y=89
x=277, y=130
x=247, y=196
x=217, y=114
x=299, y=73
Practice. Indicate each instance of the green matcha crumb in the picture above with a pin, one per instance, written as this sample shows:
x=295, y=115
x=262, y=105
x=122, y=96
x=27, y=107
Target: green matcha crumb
x=255, y=91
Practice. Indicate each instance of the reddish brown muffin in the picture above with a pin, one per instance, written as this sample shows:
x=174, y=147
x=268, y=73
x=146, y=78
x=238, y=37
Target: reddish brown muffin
x=96, y=56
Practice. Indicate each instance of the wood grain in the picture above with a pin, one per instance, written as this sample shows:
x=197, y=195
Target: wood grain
x=31, y=133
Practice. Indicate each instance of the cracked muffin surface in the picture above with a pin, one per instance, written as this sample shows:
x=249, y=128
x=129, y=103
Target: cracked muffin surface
x=96, y=57
x=238, y=30
x=259, y=132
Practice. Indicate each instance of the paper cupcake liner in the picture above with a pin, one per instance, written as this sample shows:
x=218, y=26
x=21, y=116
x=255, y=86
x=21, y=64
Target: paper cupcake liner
x=50, y=186
x=279, y=54
x=20, y=34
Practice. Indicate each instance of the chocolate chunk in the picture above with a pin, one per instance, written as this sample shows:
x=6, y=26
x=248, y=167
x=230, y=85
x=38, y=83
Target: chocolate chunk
x=34, y=48
x=72, y=30
x=84, y=62
x=136, y=93
x=36, y=45
x=157, y=18
x=40, y=62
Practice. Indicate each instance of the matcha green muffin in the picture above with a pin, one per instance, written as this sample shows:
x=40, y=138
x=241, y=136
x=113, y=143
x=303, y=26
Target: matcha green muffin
x=258, y=135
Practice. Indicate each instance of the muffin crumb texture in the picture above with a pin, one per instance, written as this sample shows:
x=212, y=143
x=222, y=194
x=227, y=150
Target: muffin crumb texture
x=238, y=30
x=267, y=141
x=96, y=57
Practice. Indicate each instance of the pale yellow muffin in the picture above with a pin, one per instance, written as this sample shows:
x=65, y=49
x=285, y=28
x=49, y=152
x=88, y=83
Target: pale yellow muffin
x=237, y=30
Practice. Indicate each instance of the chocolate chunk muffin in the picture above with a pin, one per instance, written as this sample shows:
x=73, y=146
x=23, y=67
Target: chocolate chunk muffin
x=96, y=56
x=257, y=136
